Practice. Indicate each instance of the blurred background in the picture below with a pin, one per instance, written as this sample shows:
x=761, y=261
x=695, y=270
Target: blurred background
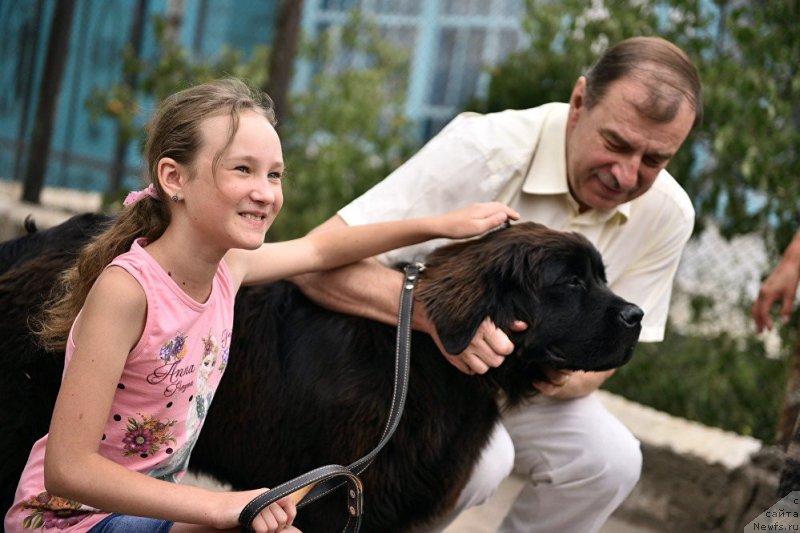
x=359, y=85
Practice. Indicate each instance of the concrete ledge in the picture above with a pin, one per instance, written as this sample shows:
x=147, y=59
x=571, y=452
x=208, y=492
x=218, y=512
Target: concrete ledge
x=695, y=478
x=683, y=437
x=57, y=206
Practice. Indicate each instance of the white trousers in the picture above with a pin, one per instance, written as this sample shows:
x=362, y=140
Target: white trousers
x=578, y=460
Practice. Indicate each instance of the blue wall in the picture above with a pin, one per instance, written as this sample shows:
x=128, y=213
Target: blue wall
x=83, y=151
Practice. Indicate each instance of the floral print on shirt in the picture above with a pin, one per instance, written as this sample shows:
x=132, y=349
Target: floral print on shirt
x=52, y=512
x=173, y=349
x=146, y=437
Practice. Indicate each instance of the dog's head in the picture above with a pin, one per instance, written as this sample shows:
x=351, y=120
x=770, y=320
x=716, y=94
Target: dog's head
x=553, y=281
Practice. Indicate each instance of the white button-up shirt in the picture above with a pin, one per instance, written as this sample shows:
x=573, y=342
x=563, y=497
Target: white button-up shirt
x=519, y=157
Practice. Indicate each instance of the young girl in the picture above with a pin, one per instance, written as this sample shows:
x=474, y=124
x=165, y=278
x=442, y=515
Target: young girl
x=146, y=313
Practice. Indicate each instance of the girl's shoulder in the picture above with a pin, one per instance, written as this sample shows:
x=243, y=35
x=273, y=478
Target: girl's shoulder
x=115, y=309
x=116, y=287
x=237, y=263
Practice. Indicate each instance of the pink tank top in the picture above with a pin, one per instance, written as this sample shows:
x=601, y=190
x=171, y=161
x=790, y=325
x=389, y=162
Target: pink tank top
x=162, y=397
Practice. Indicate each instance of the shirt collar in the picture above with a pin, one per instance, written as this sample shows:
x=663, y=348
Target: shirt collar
x=547, y=174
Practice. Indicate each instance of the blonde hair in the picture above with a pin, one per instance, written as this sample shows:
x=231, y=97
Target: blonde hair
x=175, y=132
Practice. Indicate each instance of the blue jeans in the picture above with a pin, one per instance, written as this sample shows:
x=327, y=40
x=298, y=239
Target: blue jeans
x=117, y=523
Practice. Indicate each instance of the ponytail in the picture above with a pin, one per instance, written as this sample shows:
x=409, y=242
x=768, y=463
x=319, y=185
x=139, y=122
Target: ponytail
x=148, y=218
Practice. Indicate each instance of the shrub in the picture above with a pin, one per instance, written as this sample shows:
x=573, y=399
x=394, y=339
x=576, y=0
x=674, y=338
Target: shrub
x=726, y=382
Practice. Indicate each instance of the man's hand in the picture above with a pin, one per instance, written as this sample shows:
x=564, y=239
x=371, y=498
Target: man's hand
x=487, y=349
x=569, y=384
x=556, y=381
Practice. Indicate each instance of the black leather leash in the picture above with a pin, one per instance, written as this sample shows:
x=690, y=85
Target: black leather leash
x=327, y=478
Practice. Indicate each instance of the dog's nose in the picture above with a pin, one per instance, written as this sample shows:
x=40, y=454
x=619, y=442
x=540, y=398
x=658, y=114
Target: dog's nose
x=631, y=315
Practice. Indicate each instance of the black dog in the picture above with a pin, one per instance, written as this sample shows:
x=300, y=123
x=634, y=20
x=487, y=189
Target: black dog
x=307, y=387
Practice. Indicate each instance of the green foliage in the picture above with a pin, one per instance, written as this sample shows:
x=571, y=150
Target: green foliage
x=752, y=85
x=723, y=382
x=346, y=132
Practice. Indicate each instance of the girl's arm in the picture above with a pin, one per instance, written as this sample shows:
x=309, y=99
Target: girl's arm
x=346, y=244
x=371, y=290
x=109, y=326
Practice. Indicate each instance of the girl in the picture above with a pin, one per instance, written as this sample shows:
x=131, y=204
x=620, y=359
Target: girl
x=145, y=316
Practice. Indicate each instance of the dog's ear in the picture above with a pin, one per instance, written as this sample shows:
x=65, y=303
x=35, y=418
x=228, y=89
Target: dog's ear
x=457, y=329
x=468, y=281
x=458, y=289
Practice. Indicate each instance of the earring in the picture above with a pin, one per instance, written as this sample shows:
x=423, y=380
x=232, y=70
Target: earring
x=175, y=197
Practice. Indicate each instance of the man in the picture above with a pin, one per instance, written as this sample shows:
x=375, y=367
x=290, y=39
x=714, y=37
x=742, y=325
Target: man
x=596, y=166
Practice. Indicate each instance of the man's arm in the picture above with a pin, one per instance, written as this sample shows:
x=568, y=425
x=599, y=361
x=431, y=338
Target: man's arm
x=372, y=290
x=366, y=288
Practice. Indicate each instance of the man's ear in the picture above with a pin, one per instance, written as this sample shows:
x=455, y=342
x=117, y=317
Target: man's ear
x=578, y=97
x=577, y=100
x=171, y=175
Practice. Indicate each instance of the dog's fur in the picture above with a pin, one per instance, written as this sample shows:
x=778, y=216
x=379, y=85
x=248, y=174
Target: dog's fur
x=307, y=387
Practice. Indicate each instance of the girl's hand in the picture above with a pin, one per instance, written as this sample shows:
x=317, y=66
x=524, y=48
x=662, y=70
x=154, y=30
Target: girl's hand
x=475, y=219
x=277, y=516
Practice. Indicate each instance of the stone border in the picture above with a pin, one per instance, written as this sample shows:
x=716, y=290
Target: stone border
x=695, y=478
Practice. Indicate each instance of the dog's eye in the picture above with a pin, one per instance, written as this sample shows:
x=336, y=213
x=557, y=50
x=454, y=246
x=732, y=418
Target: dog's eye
x=576, y=281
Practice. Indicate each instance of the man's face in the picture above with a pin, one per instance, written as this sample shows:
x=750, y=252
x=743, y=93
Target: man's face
x=614, y=153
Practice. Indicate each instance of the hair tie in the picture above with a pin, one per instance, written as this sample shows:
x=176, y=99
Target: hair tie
x=135, y=196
